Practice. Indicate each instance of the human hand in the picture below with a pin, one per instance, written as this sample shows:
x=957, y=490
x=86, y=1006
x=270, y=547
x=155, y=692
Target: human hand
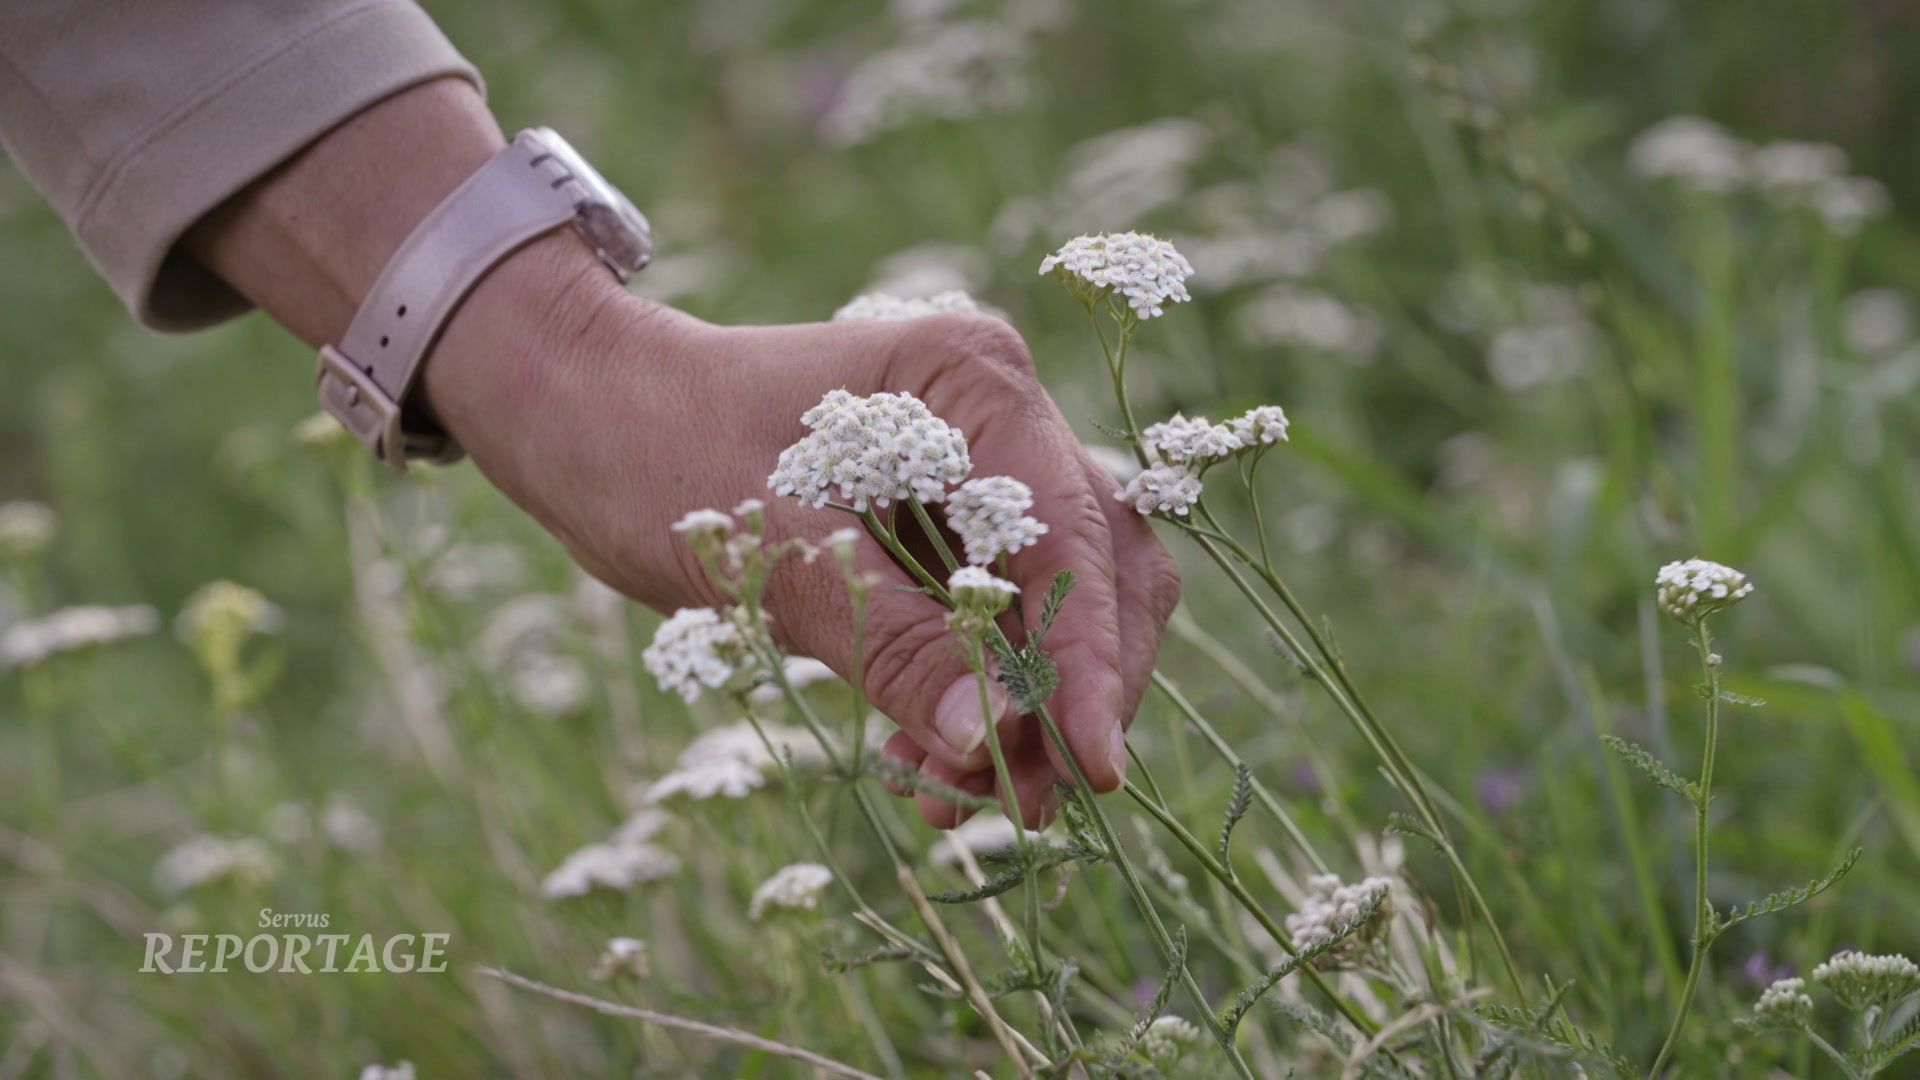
x=608, y=417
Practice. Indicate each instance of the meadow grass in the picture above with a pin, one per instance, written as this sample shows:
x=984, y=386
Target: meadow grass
x=1472, y=527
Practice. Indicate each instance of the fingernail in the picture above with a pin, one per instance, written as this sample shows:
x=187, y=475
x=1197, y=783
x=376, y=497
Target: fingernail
x=1117, y=751
x=958, y=718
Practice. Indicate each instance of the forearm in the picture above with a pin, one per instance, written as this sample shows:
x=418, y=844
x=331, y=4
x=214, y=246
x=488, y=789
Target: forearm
x=306, y=243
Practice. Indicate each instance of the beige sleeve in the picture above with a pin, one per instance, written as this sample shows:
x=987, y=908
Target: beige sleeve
x=136, y=117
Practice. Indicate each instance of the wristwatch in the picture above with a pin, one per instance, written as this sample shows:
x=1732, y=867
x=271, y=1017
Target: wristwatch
x=533, y=186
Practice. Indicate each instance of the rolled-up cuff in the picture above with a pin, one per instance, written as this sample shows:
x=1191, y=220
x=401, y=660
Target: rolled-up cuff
x=271, y=108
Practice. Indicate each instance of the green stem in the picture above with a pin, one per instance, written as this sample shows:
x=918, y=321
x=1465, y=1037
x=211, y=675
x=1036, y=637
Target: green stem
x=1702, y=911
x=1840, y=1059
x=1253, y=907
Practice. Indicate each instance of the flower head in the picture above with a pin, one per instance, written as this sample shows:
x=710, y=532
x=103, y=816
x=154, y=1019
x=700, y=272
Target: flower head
x=1690, y=150
x=1861, y=981
x=222, y=612
x=27, y=529
x=1168, y=1039
x=990, y=515
x=203, y=860
x=1163, y=489
x=978, y=592
x=615, y=866
x=1694, y=589
x=697, y=524
x=624, y=957
x=1190, y=441
x=732, y=762
x=1263, y=425
x=1146, y=270
x=872, y=450
x=33, y=641
x=1332, y=907
x=887, y=308
x=792, y=888
x=1784, y=1004
x=694, y=651
x=982, y=835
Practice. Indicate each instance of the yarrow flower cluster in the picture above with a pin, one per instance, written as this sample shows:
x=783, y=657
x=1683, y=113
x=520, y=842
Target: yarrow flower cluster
x=1162, y=489
x=982, y=835
x=975, y=590
x=732, y=762
x=1331, y=907
x=624, y=957
x=1696, y=588
x=616, y=865
x=203, y=860
x=694, y=651
x=873, y=451
x=1183, y=447
x=33, y=641
x=1148, y=271
x=794, y=888
x=1863, y=982
x=990, y=515
x=1183, y=440
x=1784, y=1004
x=27, y=529
x=1168, y=1039
x=884, y=307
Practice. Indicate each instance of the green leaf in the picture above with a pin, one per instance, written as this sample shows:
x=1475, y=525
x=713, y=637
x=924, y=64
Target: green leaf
x=838, y=962
x=1050, y=607
x=1176, y=964
x=1640, y=758
x=1582, y=1043
x=1231, y=1016
x=1236, y=809
x=1786, y=898
x=1893, y=1045
x=1020, y=870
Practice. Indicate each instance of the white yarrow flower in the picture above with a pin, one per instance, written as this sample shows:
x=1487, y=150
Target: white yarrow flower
x=1696, y=588
x=73, y=629
x=1163, y=489
x=1784, y=1004
x=1168, y=1039
x=882, y=307
x=224, y=607
x=990, y=515
x=1148, y=271
x=694, y=651
x=975, y=588
x=26, y=529
x=792, y=888
x=1263, y=425
x=704, y=523
x=614, y=866
x=203, y=860
x=624, y=957
x=400, y=1070
x=1690, y=150
x=980, y=835
x=871, y=451
x=1190, y=441
x=1331, y=905
x=1862, y=981
x=732, y=762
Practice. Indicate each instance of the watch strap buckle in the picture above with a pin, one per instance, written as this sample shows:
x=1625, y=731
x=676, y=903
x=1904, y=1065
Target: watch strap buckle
x=348, y=392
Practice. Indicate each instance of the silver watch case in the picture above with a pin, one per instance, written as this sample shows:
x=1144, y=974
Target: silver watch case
x=616, y=230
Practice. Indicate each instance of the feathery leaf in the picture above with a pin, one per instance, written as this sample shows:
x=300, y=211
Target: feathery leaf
x=1640, y=758
x=1236, y=809
x=1785, y=898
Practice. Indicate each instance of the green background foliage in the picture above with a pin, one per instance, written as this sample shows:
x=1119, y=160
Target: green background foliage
x=1485, y=550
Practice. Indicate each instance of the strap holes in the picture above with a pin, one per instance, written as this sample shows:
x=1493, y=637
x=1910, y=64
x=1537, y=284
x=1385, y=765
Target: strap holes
x=383, y=341
x=402, y=313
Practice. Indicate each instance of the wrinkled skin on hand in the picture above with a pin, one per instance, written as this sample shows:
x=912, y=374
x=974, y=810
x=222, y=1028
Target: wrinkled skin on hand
x=636, y=414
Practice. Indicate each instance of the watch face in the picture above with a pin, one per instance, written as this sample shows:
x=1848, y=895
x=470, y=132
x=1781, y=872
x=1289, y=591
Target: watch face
x=616, y=229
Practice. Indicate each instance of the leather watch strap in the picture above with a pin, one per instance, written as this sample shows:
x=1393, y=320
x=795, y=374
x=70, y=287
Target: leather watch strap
x=518, y=195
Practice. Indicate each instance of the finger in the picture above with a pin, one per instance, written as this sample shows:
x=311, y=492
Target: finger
x=1033, y=775
x=912, y=667
x=905, y=756
x=1147, y=581
x=937, y=811
x=1014, y=429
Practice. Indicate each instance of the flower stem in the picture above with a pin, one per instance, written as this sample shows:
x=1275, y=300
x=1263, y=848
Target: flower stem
x=1702, y=911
